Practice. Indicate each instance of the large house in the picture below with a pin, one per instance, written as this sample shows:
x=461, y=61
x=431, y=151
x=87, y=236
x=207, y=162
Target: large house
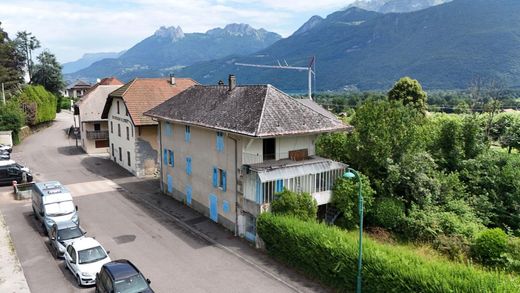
x=94, y=129
x=133, y=136
x=77, y=89
x=227, y=149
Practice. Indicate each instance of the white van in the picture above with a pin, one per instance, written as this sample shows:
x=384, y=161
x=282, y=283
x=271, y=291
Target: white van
x=52, y=203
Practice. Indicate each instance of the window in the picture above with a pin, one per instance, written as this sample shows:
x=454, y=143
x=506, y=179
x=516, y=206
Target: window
x=165, y=156
x=118, y=112
x=168, y=130
x=127, y=133
x=128, y=156
x=119, y=130
x=113, y=155
x=127, y=112
x=220, y=141
x=171, y=159
x=97, y=126
x=187, y=133
x=269, y=149
x=219, y=178
x=120, y=155
x=188, y=166
x=111, y=127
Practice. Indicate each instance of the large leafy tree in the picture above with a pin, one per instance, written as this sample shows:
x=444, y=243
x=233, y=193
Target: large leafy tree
x=409, y=91
x=11, y=64
x=47, y=72
x=26, y=43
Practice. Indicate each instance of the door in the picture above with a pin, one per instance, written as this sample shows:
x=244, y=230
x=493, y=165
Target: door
x=213, y=207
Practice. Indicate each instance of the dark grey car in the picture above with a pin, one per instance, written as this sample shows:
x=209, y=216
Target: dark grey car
x=62, y=234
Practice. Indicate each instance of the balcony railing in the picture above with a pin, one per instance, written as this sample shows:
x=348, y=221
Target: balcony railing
x=97, y=134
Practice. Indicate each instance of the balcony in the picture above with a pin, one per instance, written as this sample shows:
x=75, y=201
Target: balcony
x=97, y=134
x=314, y=175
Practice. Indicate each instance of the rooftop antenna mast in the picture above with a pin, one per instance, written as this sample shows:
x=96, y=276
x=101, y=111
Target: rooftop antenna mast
x=310, y=70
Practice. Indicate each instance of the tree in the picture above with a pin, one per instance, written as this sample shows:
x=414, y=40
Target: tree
x=511, y=138
x=383, y=132
x=11, y=64
x=26, y=43
x=345, y=198
x=409, y=92
x=11, y=118
x=48, y=73
x=301, y=205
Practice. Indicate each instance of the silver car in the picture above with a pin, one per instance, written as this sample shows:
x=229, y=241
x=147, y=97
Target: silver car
x=62, y=234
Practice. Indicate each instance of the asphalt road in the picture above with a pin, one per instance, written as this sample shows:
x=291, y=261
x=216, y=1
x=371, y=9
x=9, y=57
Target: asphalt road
x=174, y=259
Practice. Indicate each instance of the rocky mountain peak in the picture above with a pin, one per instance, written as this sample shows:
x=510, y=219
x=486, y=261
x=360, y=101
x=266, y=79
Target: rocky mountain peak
x=172, y=33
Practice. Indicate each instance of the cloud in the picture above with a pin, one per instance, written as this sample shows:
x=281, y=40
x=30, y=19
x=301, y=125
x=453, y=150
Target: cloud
x=71, y=28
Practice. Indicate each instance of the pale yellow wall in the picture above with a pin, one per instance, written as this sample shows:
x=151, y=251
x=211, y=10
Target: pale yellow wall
x=202, y=149
x=146, y=156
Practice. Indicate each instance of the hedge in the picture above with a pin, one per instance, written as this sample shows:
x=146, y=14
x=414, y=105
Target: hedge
x=330, y=255
x=38, y=103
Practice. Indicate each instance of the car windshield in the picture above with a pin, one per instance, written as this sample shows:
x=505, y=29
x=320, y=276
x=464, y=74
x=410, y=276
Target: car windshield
x=57, y=209
x=91, y=255
x=133, y=284
x=69, y=233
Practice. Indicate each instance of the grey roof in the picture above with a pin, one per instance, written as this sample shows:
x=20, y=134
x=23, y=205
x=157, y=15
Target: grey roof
x=78, y=84
x=252, y=110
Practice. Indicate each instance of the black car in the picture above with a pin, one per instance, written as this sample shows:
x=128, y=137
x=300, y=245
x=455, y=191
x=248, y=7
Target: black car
x=121, y=276
x=13, y=172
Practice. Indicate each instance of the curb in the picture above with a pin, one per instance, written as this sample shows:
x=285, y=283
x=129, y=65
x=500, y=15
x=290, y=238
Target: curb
x=12, y=277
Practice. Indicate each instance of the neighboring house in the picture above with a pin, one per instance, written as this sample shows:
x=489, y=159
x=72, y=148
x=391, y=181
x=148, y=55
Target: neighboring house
x=133, y=137
x=94, y=129
x=227, y=149
x=77, y=89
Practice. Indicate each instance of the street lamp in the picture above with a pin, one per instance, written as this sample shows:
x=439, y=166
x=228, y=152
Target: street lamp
x=352, y=174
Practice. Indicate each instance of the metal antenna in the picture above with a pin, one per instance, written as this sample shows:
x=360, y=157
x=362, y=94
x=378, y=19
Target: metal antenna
x=309, y=69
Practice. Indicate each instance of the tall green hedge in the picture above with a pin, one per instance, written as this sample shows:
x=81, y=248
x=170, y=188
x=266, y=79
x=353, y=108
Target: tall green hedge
x=330, y=255
x=11, y=118
x=39, y=104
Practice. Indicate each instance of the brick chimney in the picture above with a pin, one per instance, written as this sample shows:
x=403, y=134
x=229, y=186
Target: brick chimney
x=232, y=82
x=172, y=79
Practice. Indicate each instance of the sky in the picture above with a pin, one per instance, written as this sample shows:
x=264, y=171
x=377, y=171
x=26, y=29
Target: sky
x=71, y=28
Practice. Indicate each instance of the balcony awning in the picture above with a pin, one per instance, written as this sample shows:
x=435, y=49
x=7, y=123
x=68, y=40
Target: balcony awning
x=293, y=171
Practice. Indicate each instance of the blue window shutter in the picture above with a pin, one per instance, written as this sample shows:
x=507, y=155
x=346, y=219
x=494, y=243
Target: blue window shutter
x=225, y=206
x=170, y=183
x=187, y=133
x=188, y=165
x=258, y=191
x=165, y=157
x=188, y=195
x=279, y=185
x=224, y=180
x=218, y=142
x=215, y=177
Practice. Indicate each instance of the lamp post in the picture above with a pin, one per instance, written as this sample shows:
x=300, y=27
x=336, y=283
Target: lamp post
x=352, y=174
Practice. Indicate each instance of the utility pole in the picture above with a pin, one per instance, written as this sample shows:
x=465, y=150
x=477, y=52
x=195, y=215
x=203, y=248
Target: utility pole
x=309, y=69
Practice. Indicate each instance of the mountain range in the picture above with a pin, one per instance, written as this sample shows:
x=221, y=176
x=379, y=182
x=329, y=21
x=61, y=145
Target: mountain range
x=169, y=48
x=395, y=6
x=444, y=47
x=88, y=59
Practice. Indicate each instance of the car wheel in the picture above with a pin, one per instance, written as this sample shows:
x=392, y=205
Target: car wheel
x=78, y=280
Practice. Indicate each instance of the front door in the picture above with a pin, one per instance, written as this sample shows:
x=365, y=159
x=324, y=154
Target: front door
x=170, y=183
x=213, y=207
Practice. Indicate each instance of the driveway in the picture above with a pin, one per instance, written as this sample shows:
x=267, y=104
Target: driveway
x=175, y=247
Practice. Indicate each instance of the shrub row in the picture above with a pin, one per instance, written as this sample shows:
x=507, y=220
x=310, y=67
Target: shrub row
x=39, y=104
x=330, y=255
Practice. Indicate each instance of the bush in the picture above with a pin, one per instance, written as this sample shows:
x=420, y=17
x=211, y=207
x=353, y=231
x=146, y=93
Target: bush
x=38, y=103
x=345, y=197
x=490, y=246
x=428, y=224
x=301, y=205
x=11, y=118
x=330, y=255
x=388, y=213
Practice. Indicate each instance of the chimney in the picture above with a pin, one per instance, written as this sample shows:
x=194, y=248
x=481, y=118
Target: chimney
x=232, y=82
x=172, y=79
x=220, y=82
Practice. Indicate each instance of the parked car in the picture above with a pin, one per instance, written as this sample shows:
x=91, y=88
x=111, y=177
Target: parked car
x=6, y=147
x=63, y=234
x=10, y=171
x=4, y=156
x=84, y=258
x=52, y=203
x=121, y=276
